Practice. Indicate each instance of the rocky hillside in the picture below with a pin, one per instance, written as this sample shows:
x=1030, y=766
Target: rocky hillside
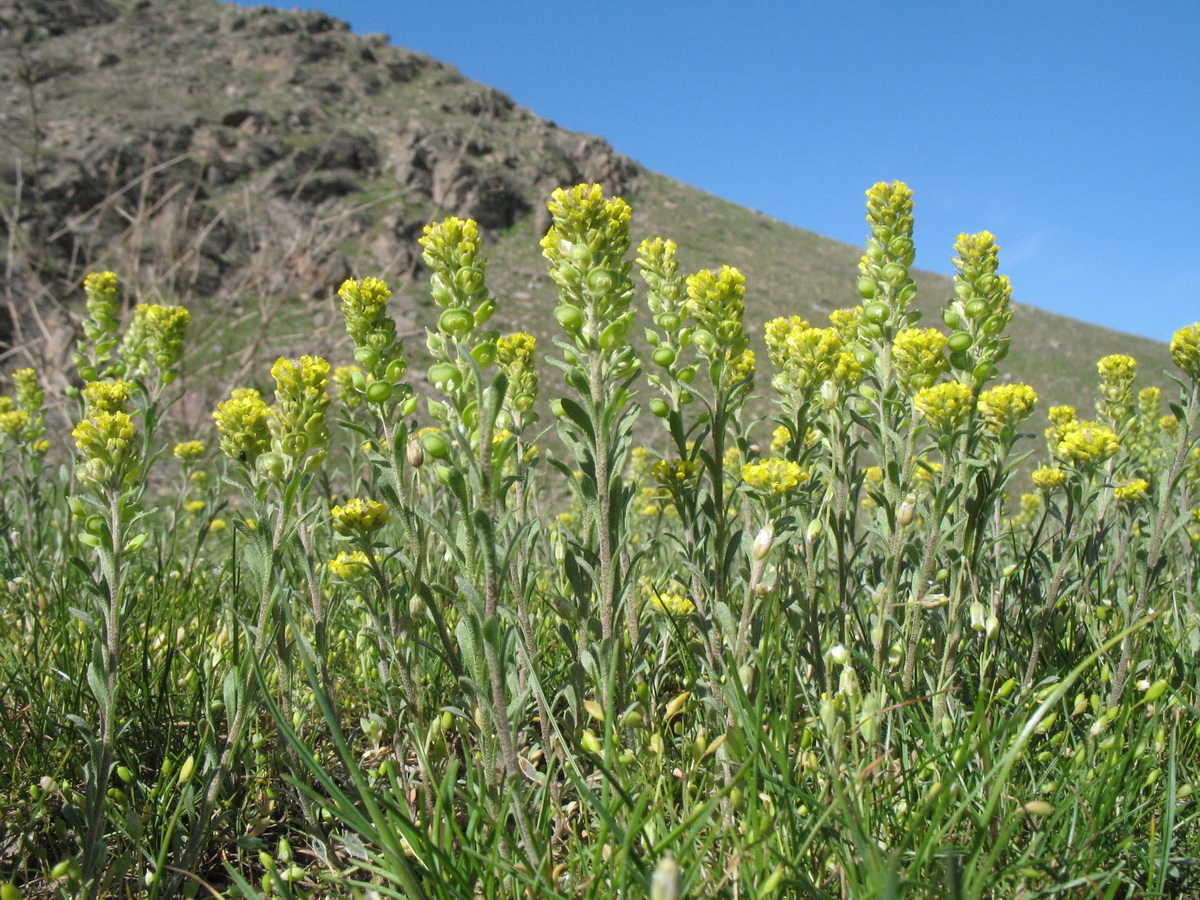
x=245, y=161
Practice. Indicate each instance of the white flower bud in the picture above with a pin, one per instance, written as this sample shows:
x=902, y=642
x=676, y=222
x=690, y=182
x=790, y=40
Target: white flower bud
x=838, y=655
x=762, y=543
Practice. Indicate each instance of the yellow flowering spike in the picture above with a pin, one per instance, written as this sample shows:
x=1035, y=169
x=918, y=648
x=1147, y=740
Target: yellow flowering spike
x=359, y=517
x=918, y=357
x=1087, y=444
x=946, y=406
x=29, y=391
x=883, y=270
x=364, y=309
x=1007, y=405
x=1185, y=350
x=102, y=304
x=715, y=301
x=105, y=442
x=242, y=426
x=1117, y=373
x=297, y=420
x=773, y=476
x=515, y=356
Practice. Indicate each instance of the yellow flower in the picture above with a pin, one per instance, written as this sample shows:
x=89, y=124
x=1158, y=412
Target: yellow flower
x=1132, y=491
x=1185, y=350
x=343, y=383
x=189, y=451
x=297, y=420
x=351, y=565
x=1049, y=477
x=918, y=355
x=106, y=445
x=13, y=423
x=364, y=307
x=242, y=426
x=773, y=475
x=216, y=526
x=715, y=302
x=106, y=396
x=194, y=506
x=515, y=356
x=946, y=406
x=1085, y=444
x=668, y=472
x=1006, y=405
x=359, y=516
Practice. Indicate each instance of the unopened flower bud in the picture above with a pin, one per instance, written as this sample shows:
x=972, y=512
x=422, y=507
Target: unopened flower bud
x=414, y=452
x=904, y=515
x=762, y=543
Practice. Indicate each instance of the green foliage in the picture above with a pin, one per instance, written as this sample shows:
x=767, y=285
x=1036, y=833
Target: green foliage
x=378, y=657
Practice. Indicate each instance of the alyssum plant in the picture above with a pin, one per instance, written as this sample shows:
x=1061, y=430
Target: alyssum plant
x=411, y=646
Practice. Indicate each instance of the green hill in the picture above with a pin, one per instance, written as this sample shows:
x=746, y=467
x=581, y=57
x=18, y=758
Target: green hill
x=245, y=161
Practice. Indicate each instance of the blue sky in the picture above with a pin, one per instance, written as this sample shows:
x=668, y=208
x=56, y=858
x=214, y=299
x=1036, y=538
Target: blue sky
x=1070, y=130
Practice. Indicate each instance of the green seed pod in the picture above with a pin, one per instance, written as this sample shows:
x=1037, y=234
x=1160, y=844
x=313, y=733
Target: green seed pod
x=379, y=392
x=396, y=370
x=950, y=317
x=444, y=475
x=469, y=279
x=270, y=466
x=866, y=287
x=88, y=373
x=366, y=357
x=556, y=407
x=983, y=371
x=441, y=294
x=895, y=273
x=358, y=380
x=993, y=325
x=976, y=308
x=703, y=341
x=610, y=337
x=1156, y=690
x=602, y=280
x=570, y=317
x=444, y=376
x=865, y=357
x=688, y=375
x=484, y=354
x=659, y=407
x=668, y=322
x=435, y=445
x=484, y=312
x=959, y=342
x=590, y=742
x=663, y=356
x=959, y=360
x=456, y=322
x=94, y=525
x=877, y=312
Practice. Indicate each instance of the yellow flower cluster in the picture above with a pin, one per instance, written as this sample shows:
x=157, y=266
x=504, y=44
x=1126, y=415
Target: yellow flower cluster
x=155, y=335
x=740, y=367
x=359, y=516
x=29, y=391
x=666, y=602
x=102, y=303
x=1185, y=350
x=106, y=396
x=242, y=426
x=773, y=475
x=1049, y=477
x=13, y=422
x=297, y=420
x=1117, y=372
x=1132, y=491
x=1086, y=444
x=350, y=565
x=714, y=299
x=670, y=472
x=946, y=406
x=808, y=357
x=1007, y=405
x=189, y=451
x=364, y=307
x=918, y=357
x=106, y=443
